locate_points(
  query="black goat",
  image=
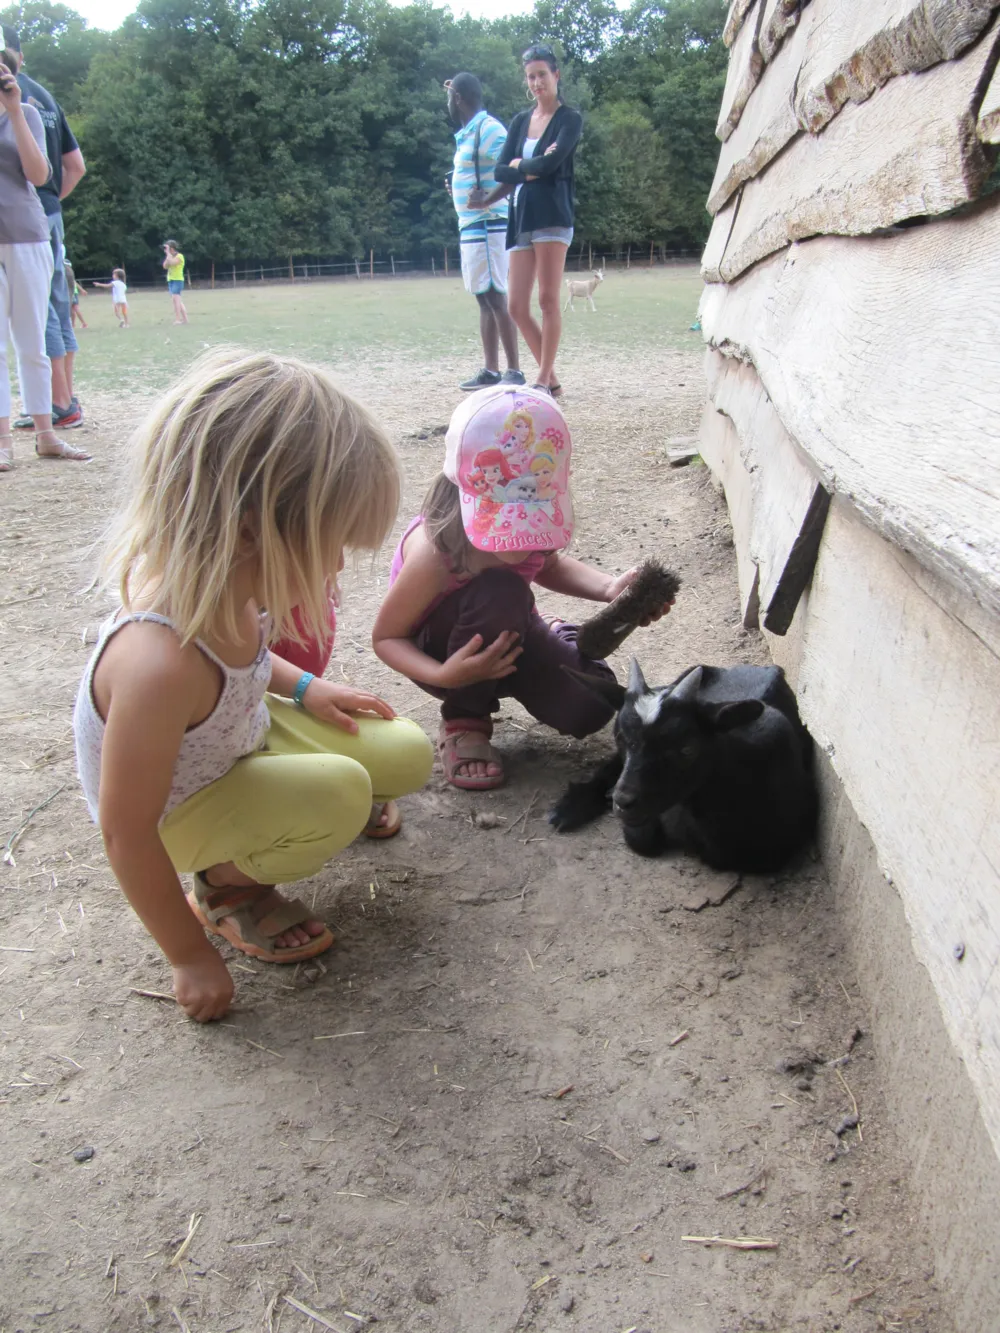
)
(719, 762)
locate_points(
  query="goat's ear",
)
(636, 680)
(608, 690)
(725, 717)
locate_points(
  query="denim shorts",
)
(526, 239)
(175, 286)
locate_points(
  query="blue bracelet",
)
(304, 682)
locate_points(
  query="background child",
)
(253, 476)
(119, 299)
(460, 619)
(75, 292)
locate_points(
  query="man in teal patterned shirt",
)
(482, 233)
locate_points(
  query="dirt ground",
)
(533, 1066)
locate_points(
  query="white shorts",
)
(484, 256)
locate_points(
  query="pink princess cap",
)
(508, 451)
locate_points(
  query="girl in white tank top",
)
(199, 751)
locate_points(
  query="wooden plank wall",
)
(851, 317)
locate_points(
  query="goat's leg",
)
(591, 300)
(583, 802)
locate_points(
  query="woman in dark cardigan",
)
(537, 163)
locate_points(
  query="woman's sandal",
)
(250, 920)
(68, 452)
(393, 820)
(6, 453)
(465, 741)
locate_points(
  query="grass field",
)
(331, 321)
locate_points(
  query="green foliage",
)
(255, 129)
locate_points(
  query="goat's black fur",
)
(718, 762)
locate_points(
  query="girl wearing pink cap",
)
(460, 618)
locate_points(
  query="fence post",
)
(392, 261)
(262, 272)
(651, 254)
(371, 263)
(234, 275)
(628, 258)
(213, 275)
(590, 255)
(445, 261)
(357, 270)
(433, 268)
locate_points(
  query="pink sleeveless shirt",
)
(528, 569)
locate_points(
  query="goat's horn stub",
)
(636, 680)
(688, 688)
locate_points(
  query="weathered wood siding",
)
(852, 316)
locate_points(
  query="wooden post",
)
(262, 272)
(651, 254)
(590, 255)
(291, 269)
(433, 268)
(357, 270)
(371, 263)
(445, 261)
(628, 258)
(392, 261)
(213, 275)
(234, 275)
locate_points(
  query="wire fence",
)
(243, 273)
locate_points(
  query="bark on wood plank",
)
(745, 65)
(860, 47)
(989, 112)
(768, 122)
(840, 53)
(719, 446)
(910, 150)
(738, 11)
(880, 356)
(906, 700)
(780, 17)
(788, 504)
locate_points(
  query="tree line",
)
(257, 129)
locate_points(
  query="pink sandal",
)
(465, 740)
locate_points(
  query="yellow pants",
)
(282, 813)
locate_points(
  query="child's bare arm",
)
(325, 699)
(150, 706)
(565, 574)
(422, 578)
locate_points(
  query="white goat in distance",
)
(583, 287)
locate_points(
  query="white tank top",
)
(235, 727)
(527, 151)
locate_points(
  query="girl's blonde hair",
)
(519, 414)
(442, 515)
(250, 454)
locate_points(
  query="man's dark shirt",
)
(59, 138)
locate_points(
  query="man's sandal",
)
(6, 453)
(466, 740)
(69, 452)
(251, 920)
(393, 820)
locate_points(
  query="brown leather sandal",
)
(393, 820)
(250, 920)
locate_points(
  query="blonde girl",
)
(199, 751)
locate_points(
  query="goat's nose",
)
(624, 800)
